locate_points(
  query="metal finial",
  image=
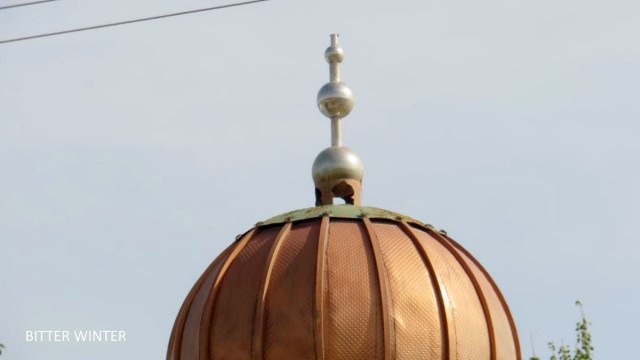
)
(334, 56)
(335, 98)
(337, 170)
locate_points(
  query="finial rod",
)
(336, 131)
(334, 56)
(335, 60)
(335, 99)
(337, 170)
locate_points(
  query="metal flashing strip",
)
(323, 237)
(205, 321)
(385, 292)
(258, 325)
(340, 211)
(436, 285)
(442, 239)
(503, 301)
(175, 341)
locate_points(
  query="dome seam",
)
(207, 313)
(408, 230)
(318, 313)
(384, 287)
(495, 288)
(476, 285)
(181, 319)
(257, 331)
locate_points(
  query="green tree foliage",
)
(583, 349)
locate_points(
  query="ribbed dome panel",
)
(326, 287)
(289, 320)
(354, 324)
(416, 312)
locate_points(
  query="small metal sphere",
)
(337, 163)
(335, 100)
(334, 54)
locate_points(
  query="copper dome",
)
(344, 282)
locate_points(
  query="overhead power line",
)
(129, 21)
(25, 4)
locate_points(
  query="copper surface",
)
(415, 302)
(234, 308)
(258, 324)
(476, 285)
(207, 309)
(498, 293)
(386, 305)
(437, 287)
(191, 334)
(320, 285)
(289, 314)
(468, 332)
(500, 322)
(344, 287)
(353, 317)
(175, 342)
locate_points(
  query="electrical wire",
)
(129, 21)
(25, 4)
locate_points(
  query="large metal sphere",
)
(337, 162)
(335, 99)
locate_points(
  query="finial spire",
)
(334, 56)
(337, 170)
(335, 98)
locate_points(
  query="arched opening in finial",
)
(345, 192)
(348, 191)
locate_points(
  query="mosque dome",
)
(343, 281)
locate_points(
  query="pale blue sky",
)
(131, 156)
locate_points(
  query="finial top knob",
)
(334, 53)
